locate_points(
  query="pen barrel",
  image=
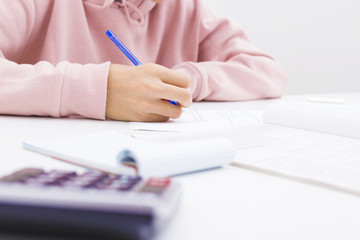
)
(123, 48)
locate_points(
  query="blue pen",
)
(127, 52)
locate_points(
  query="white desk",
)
(226, 203)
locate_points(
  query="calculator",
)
(89, 205)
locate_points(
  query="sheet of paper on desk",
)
(195, 120)
(323, 159)
(337, 119)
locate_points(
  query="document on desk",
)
(319, 154)
(337, 119)
(324, 159)
(194, 120)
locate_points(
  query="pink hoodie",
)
(55, 55)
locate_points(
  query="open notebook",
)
(113, 152)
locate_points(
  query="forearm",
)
(46, 90)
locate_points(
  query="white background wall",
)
(317, 41)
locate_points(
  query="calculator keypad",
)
(72, 180)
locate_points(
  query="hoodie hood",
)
(135, 10)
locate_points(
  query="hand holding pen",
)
(138, 93)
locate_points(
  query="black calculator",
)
(90, 205)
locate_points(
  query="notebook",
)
(112, 152)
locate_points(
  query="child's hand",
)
(139, 93)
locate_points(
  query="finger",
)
(173, 77)
(152, 117)
(164, 108)
(173, 93)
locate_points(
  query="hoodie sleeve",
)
(44, 89)
(230, 67)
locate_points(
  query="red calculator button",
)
(158, 182)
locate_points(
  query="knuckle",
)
(149, 65)
(147, 68)
(187, 94)
(184, 79)
(187, 81)
(152, 68)
(188, 104)
(186, 97)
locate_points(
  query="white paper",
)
(338, 119)
(324, 159)
(196, 120)
(154, 158)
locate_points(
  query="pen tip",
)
(109, 33)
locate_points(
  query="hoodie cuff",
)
(84, 90)
(195, 78)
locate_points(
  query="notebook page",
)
(155, 158)
(96, 151)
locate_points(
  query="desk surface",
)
(225, 203)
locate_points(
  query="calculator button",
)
(158, 182)
(22, 175)
(156, 185)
